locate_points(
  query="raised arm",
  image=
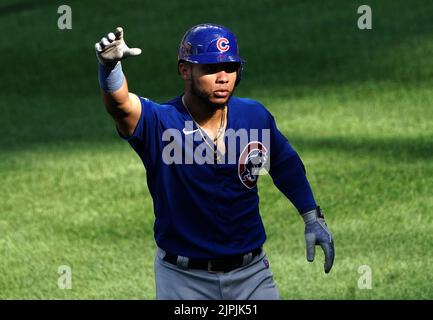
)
(122, 105)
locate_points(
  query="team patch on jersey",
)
(251, 160)
(223, 44)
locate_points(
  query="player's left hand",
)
(317, 233)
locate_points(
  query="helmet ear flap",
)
(239, 75)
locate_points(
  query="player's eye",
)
(231, 67)
(208, 69)
(217, 67)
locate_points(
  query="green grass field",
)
(356, 105)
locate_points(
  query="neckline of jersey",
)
(228, 123)
(188, 116)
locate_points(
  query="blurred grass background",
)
(356, 105)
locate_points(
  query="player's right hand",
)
(113, 48)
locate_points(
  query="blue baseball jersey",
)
(207, 208)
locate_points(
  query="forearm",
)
(118, 104)
(289, 177)
(114, 89)
(122, 105)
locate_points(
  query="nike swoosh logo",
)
(186, 132)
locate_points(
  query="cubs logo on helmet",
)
(252, 159)
(223, 44)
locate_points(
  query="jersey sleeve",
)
(144, 139)
(288, 171)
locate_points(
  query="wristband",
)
(111, 77)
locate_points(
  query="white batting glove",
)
(113, 48)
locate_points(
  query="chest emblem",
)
(252, 159)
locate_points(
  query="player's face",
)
(214, 82)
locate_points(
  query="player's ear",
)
(184, 69)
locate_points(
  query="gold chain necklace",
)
(220, 130)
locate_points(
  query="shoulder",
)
(250, 108)
(146, 101)
(160, 108)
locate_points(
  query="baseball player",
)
(203, 152)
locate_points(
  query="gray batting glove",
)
(317, 233)
(113, 48)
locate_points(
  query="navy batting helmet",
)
(210, 43)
